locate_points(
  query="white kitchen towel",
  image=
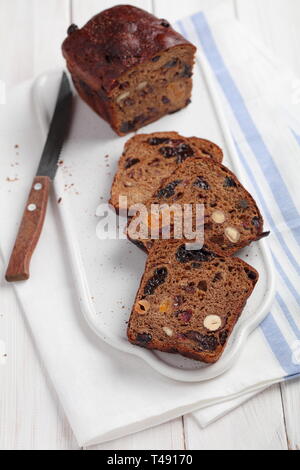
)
(106, 394)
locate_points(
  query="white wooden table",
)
(31, 32)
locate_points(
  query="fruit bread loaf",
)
(188, 302)
(130, 67)
(149, 158)
(232, 219)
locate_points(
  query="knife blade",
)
(36, 206)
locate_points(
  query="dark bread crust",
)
(204, 181)
(113, 43)
(142, 167)
(186, 293)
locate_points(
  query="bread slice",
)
(148, 158)
(188, 302)
(232, 219)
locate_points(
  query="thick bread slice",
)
(232, 219)
(188, 302)
(149, 158)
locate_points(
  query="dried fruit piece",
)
(184, 315)
(205, 342)
(142, 306)
(229, 183)
(179, 149)
(184, 256)
(218, 277)
(202, 285)
(212, 322)
(218, 217)
(165, 100)
(158, 140)
(201, 183)
(256, 221)
(243, 204)
(131, 162)
(232, 234)
(165, 307)
(72, 28)
(168, 191)
(160, 275)
(168, 331)
(143, 338)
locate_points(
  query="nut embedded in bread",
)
(130, 67)
(191, 301)
(149, 158)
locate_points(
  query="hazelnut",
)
(218, 217)
(142, 307)
(212, 322)
(122, 96)
(232, 234)
(142, 85)
(168, 331)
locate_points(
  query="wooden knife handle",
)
(29, 231)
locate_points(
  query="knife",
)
(35, 210)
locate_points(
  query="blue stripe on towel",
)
(297, 136)
(255, 140)
(279, 346)
(288, 315)
(266, 210)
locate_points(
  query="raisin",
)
(165, 24)
(187, 71)
(184, 256)
(229, 183)
(171, 63)
(242, 204)
(196, 265)
(251, 274)
(72, 28)
(202, 286)
(168, 190)
(264, 235)
(223, 337)
(143, 338)
(155, 281)
(124, 85)
(201, 183)
(156, 58)
(130, 162)
(127, 126)
(182, 152)
(256, 221)
(190, 289)
(178, 300)
(188, 101)
(206, 342)
(158, 140)
(165, 100)
(184, 315)
(218, 277)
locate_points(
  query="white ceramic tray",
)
(107, 273)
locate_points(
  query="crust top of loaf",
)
(115, 41)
